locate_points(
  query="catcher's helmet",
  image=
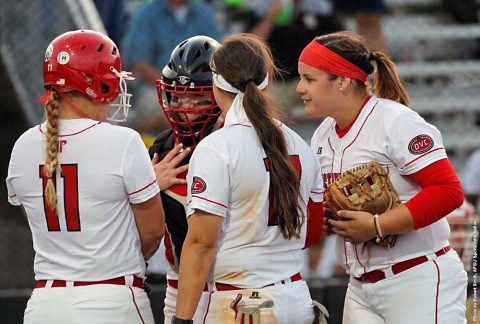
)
(188, 72)
(88, 62)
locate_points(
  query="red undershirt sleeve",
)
(441, 193)
(314, 222)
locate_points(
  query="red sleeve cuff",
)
(314, 222)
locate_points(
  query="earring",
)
(341, 89)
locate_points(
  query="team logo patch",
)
(183, 79)
(420, 144)
(198, 185)
(63, 58)
(48, 52)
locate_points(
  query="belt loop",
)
(69, 284)
(283, 282)
(48, 283)
(129, 280)
(388, 272)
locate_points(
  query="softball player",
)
(248, 188)
(186, 97)
(420, 279)
(88, 190)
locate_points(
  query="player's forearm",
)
(396, 221)
(195, 264)
(149, 218)
(150, 244)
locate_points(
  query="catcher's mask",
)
(188, 74)
(88, 62)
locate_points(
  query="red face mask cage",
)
(188, 124)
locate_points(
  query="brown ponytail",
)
(244, 61)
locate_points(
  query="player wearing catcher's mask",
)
(417, 278)
(88, 190)
(249, 184)
(186, 97)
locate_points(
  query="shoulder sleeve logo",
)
(420, 144)
(198, 185)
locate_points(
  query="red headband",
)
(323, 59)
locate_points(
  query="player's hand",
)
(167, 170)
(355, 226)
(327, 215)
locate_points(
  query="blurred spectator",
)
(464, 12)
(471, 178)
(112, 13)
(368, 19)
(155, 28)
(288, 26)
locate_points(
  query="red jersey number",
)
(272, 217)
(69, 174)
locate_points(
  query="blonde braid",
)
(51, 148)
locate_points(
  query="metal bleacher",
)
(438, 60)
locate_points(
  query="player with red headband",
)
(367, 122)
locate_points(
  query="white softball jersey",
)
(403, 143)
(229, 177)
(104, 169)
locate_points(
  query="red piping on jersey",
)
(345, 251)
(437, 293)
(136, 306)
(440, 148)
(344, 131)
(41, 131)
(142, 188)
(358, 259)
(333, 156)
(356, 136)
(208, 307)
(214, 202)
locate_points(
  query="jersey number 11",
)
(69, 174)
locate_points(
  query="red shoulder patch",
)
(420, 144)
(198, 185)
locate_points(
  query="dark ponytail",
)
(244, 61)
